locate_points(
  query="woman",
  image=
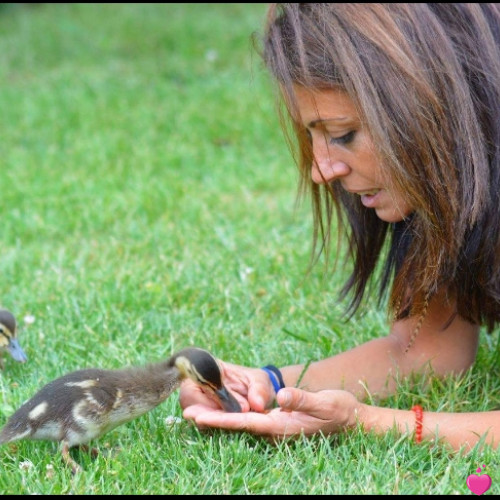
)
(395, 111)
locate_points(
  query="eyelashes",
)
(344, 139)
(309, 136)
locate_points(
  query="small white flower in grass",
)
(244, 273)
(211, 55)
(49, 471)
(171, 420)
(29, 319)
(26, 465)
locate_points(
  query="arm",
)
(455, 429)
(321, 409)
(375, 364)
(372, 366)
(334, 411)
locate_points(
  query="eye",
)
(344, 139)
(309, 136)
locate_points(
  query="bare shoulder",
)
(444, 338)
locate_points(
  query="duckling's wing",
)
(52, 413)
(102, 405)
(127, 394)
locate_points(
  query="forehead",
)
(328, 104)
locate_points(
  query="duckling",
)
(8, 340)
(85, 404)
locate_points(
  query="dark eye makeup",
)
(344, 139)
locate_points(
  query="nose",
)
(325, 170)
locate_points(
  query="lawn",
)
(148, 203)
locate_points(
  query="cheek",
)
(372, 168)
(394, 209)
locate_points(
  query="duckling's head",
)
(8, 339)
(201, 367)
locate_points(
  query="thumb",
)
(293, 399)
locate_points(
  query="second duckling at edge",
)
(8, 339)
(85, 404)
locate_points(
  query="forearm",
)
(370, 366)
(374, 366)
(455, 429)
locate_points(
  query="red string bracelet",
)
(419, 418)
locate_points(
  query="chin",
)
(392, 215)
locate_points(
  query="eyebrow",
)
(323, 120)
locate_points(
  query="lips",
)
(369, 198)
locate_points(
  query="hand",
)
(300, 413)
(250, 386)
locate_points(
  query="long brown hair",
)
(425, 79)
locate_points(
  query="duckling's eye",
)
(344, 139)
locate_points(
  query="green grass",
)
(148, 204)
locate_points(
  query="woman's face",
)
(343, 151)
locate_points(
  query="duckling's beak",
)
(227, 400)
(16, 351)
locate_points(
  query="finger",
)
(259, 396)
(255, 423)
(261, 393)
(275, 424)
(192, 394)
(292, 399)
(193, 411)
(250, 386)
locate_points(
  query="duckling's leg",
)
(68, 460)
(94, 452)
